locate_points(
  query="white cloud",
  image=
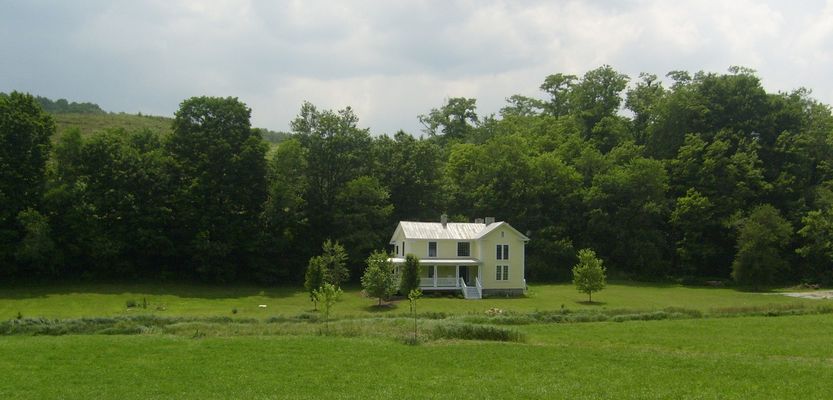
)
(391, 60)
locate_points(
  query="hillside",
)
(91, 123)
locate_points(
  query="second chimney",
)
(490, 220)
(444, 220)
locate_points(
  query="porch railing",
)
(449, 282)
(479, 287)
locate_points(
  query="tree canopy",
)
(663, 176)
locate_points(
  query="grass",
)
(91, 123)
(753, 357)
(106, 300)
(647, 341)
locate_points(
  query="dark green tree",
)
(336, 152)
(597, 95)
(415, 183)
(409, 279)
(219, 168)
(692, 223)
(452, 122)
(25, 133)
(36, 252)
(762, 239)
(559, 87)
(335, 263)
(285, 223)
(362, 213)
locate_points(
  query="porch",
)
(465, 278)
(451, 274)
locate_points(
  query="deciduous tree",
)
(410, 274)
(378, 280)
(589, 274)
(762, 238)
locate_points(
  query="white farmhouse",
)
(480, 259)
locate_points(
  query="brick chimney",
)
(490, 220)
(444, 220)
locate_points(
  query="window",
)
(502, 273)
(403, 248)
(431, 271)
(463, 249)
(432, 249)
(502, 252)
(397, 249)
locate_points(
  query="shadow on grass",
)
(30, 290)
(642, 284)
(591, 303)
(384, 307)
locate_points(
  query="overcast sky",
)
(390, 60)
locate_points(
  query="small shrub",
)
(130, 303)
(19, 315)
(234, 311)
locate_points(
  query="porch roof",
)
(439, 261)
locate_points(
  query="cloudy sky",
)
(390, 60)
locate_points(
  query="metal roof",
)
(451, 230)
(435, 230)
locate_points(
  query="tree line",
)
(706, 177)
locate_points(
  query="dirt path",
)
(819, 294)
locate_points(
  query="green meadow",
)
(708, 343)
(94, 300)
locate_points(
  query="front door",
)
(464, 273)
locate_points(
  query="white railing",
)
(480, 287)
(446, 282)
(440, 282)
(464, 287)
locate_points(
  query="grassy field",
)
(744, 358)
(362, 353)
(91, 123)
(72, 301)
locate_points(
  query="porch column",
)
(457, 275)
(434, 267)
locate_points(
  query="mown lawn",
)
(742, 358)
(93, 300)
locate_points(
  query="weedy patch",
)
(475, 332)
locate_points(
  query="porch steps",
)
(471, 293)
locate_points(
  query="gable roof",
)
(451, 230)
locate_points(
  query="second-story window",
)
(502, 252)
(463, 249)
(432, 249)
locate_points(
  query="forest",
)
(694, 177)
